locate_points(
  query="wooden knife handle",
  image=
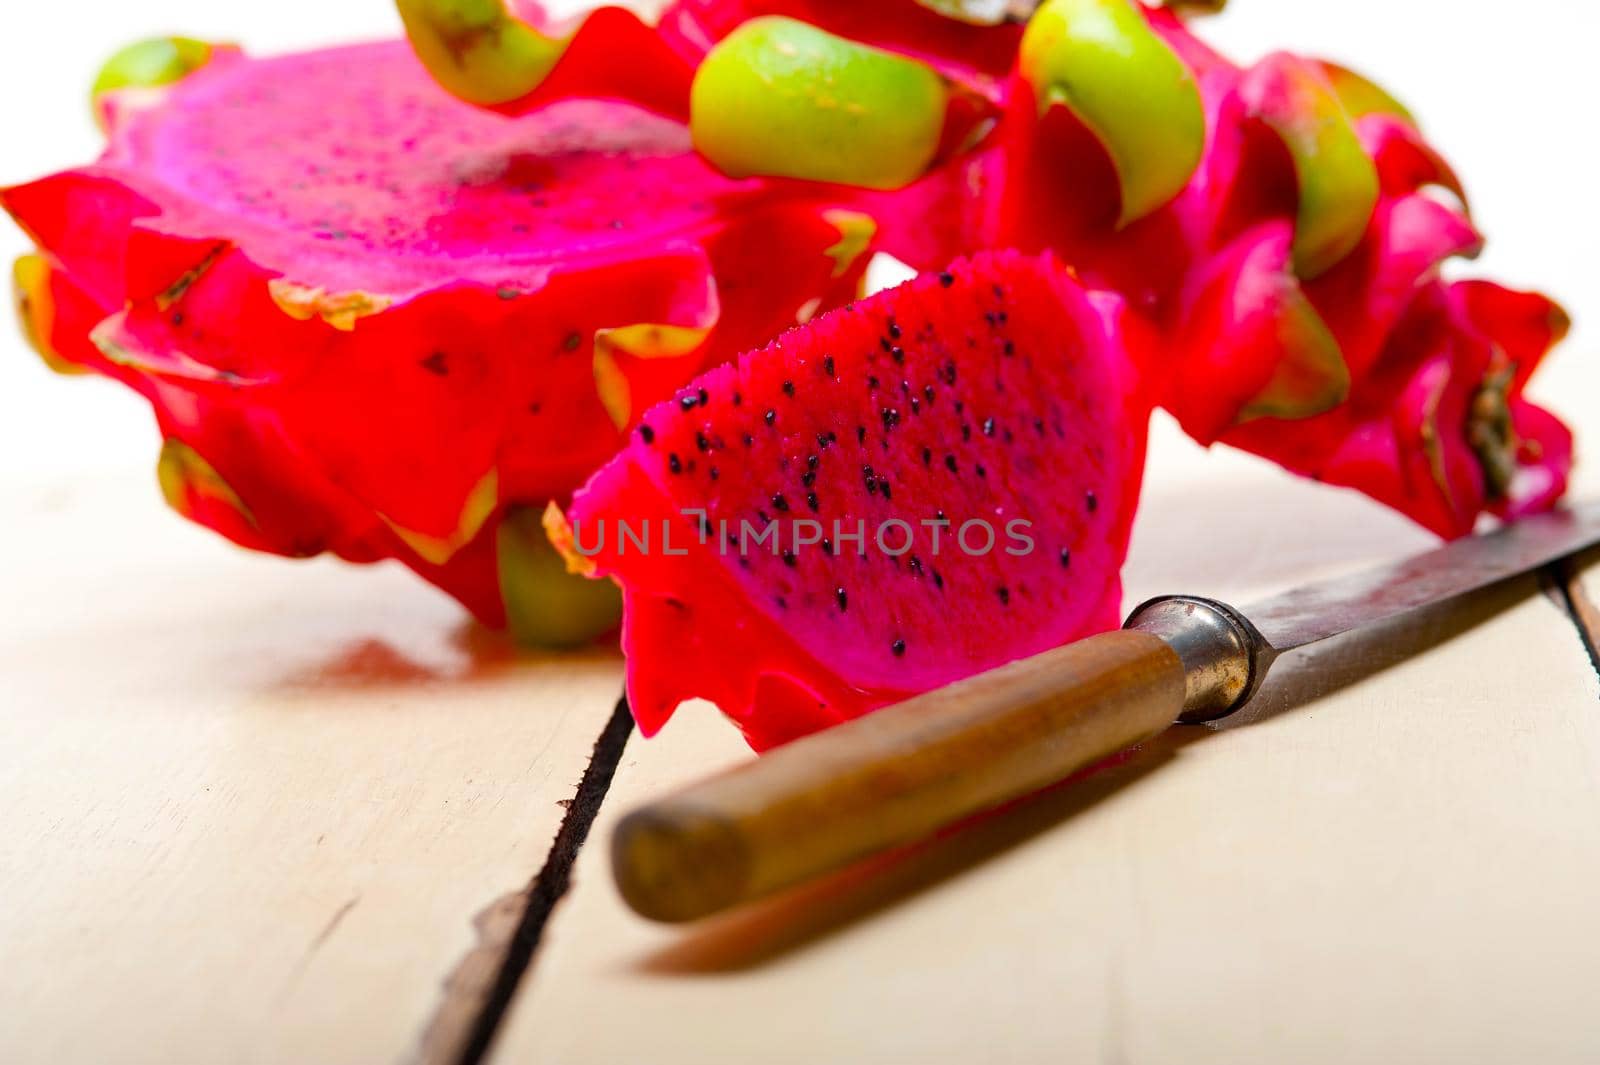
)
(895, 776)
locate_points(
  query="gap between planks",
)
(478, 993)
(1567, 578)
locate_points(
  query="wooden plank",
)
(252, 807)
(1388, 859)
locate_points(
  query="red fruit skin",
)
(612, 47)
(1406, 436)
(1035, 414)
(382, 335)
(1211, 275)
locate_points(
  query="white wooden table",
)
(258, 811)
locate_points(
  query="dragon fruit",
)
(375, 321)
(1279, 227)
(1287, 253)
(916, 487)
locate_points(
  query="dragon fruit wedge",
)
(908, 490)
(1280, 228)
(377, 321)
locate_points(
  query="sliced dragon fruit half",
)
(911, 489)
(377, 321)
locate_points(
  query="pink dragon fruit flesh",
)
(913, 488)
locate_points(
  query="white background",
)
(1508, 91)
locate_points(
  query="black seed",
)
(1038, 426)
(938, 581)
(870, 479)
(437, 363)
(1005, 595)
(714, 473)
(808, 478)
(1091, 501)
(737, 399)
(927, 393)
(861, 434)
(883, 486)
(891, 418)
(788, 388)
(898, 648)
(872, 383)
(771, 416)
(827, 365)
(938, 515)
(841, 598)
(981, 471)
(705, 397)
(789, 559)
(827, 547)
(701, 442)
(705, 525)
(780, 504)
(823, 439)
(950, 373)
(950, 463)
(572, 342)
(916, 405)
(761, 516)
(673, 463)
(988, 427)
(1010, 348)
(883, 342)
(177, 319)
(687, 402)
(960, 406)
(749, 440)
(927, 455)
(966, 431)
(647, 434)
(811, 501)
(1066, 557)
(946, 279)
(783, 604)
(811, 462)
(898, 354)
(915, 564)
(894, 330)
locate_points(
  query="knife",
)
(901, 773)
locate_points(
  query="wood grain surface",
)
(253, 810)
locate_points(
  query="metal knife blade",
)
(1227, 651)
(1315, 612)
